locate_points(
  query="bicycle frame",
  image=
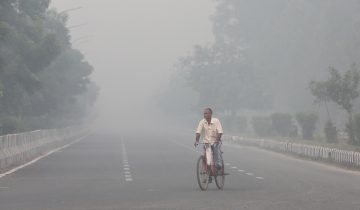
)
(211, 169)
(204, 171)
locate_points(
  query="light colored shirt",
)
(209, 132)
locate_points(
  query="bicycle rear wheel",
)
(220, 177)
(202, 174)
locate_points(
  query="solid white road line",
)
(41, 157)
(259, 177)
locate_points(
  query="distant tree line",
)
(262, 59)
(44, 82)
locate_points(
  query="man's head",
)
(208, 113)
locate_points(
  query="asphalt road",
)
(157, 171)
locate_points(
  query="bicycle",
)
(203, 171)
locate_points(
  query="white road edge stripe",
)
(41, 157)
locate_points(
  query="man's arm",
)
(198, 133)
(218, 137)
(220, 131)
(197, 138)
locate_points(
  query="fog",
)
(143, 104)
(249, 58)
(133, 46)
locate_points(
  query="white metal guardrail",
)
(343, 157)
(18, 149)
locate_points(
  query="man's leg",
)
(209, 158)
(218, 155)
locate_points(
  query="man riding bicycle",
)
(211, 130)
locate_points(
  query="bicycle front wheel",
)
(202, 174)
(220, 177)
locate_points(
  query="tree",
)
(224, 78)
(342, 90)
(289, 42)
(43, 80)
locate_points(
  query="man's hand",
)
(196, 143)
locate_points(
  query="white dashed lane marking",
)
(243, 171)
(226, 164)
(126, 165)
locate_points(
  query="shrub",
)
(357, 129)
(240, 123)
(282, 123)
(307, 122)
(234, 123)
(11, 125)
(262, 125)
(330, 132)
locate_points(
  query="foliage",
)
(357, 129)
(342, 90)
(223, 78)
(11, 125)
(41, 76)
(330, 132)
(235, 124)
(307, 122)
(283, 37)
(262, 125)
(282, 123)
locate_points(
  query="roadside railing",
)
(18, 149)
(343, 157)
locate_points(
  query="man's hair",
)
(208, 109)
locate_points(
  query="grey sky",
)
(133, 44)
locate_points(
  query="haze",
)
(102, 104)
(133, 46)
